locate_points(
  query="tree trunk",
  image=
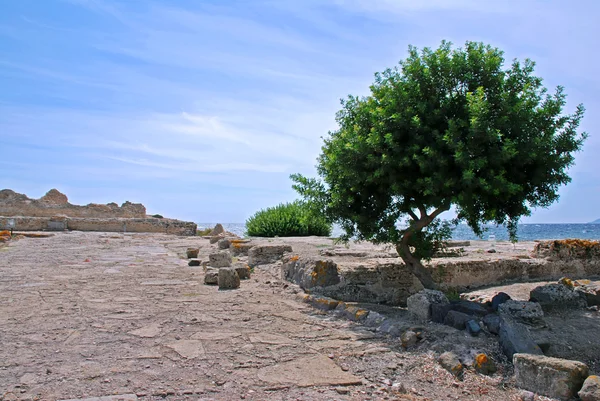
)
(415, 265)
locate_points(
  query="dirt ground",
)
(104, 314)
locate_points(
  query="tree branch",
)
(413, 215)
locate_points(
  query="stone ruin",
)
(53, 212)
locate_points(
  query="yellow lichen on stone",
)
(360, 314)
(480, 360)
(566, 282)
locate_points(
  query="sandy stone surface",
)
(123, 317)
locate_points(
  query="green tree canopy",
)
(447, 127)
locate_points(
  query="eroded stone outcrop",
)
(53, 212)
(55, 203)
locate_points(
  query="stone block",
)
(470, 308)
(473, 328)
(194, 262)
(266, 254)
(591, 389)
(484, 365)
(243, 271)
(558, 296)
(217, 230)
(492, 323)
(590, 292)
(192, 253)
(211, 277)
(409, 338)
(322, 303)
(530, 313)
(419, 304)
(240, 249)
(354, 313)
(309, 273)
(215, 239)
(450, 362)
(224, 243)
(515, 338)
(228, 278)
(458, 320)
(439, 312)
(499, 299)
(552, 377)
(219, 259)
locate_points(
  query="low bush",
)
(203, 232)
(294, 219)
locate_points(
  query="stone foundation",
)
(134, 225)
(388, 281)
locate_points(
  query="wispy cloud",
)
(209, 102)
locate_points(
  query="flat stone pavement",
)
(107, 317)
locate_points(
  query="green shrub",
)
(294, 219)
(204, 232)
(157, 216)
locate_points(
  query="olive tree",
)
(452, 127)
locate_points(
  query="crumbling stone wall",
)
(147, 225)
(390, 282)
(55, 203)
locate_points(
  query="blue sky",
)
(202, 109)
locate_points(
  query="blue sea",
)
(526, 232)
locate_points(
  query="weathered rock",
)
(525, 395)
(458, 320)
(192, 253)
(552, 377)
(499, 299)
(194, 262)
(228, 278)
(211, 277)
(217, 230)
(450, 362)
(419, 304)
(322, 303)
(240, 247)
(224, 243)
(473, 328)
(484, 365)
(439, 312)
(556, 296)
(470, 308)
(243, 271)
(351, 312)
(409, 338)
(374, 319)
(591, 389)
(391, 328)
(492, 322)
(515, 338)
(55, 197)
(590, 292)
(525, 312)
(265, 254)
(215, 239)
(309, 273)
(219, 259)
